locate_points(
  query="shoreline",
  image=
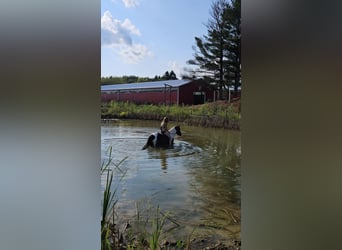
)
(128, 238)
(219, 114)
(196, 121)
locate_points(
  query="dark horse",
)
(161, 140)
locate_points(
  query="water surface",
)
(197, 181)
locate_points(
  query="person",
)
(163, 125)
(164, 129)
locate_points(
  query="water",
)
(197, 181)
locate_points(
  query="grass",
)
(215, 114)
(149, 227)
(108, 203)
(158, 224)
(109, 200)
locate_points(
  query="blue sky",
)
(149, 37)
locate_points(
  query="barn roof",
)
(145, 85)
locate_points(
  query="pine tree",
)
(218, 53)
(166, 76)
(233, 44)
(173, 75)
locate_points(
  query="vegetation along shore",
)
(219, 114)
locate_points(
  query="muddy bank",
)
(126, 240)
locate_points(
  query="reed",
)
(157, 229)
(149, 227)
(109, 200)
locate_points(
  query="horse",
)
(158, 139)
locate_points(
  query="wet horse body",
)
(162, 140)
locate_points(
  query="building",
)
(188, 92)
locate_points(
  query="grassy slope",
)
(214, 114)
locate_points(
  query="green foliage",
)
(233, 115)
(215, 110)
(217, 55)
(150, 226)
(180, 244)
(108, 204)
(157, 228)
(109, 201)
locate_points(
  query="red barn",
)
(188, 92)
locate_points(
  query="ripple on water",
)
(180, 148)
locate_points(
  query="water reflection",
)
(215, 177)
(198, 180)
(163, 159)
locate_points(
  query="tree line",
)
(133, 79)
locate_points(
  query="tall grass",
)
(109, 200)
(150, 227)
(220, 111)
(158, 224)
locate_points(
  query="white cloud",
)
(118, 35)
(130, 3)
(134, 54)
(173, 65)
(129, 26)
(113, 31)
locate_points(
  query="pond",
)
(197, 181)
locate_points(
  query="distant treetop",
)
(134, 79)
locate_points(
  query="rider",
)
(164, 129)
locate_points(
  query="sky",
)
(149, 37)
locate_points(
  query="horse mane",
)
(175, 130)
(174, 127)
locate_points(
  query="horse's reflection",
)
(163, 159)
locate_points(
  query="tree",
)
(169, 76)
(173, 75)
(166, 76)
(233, 45)
(217, 54)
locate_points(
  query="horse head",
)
(175, 130)
(178, 130)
